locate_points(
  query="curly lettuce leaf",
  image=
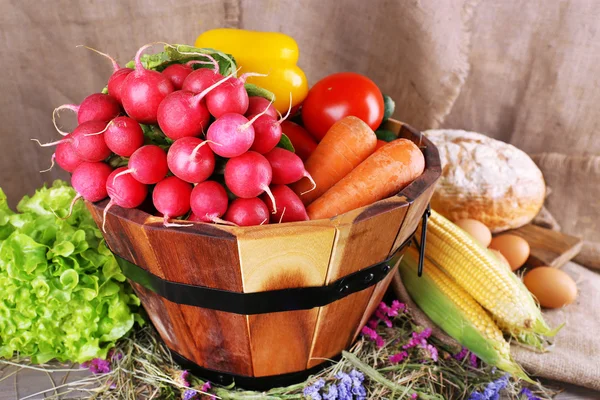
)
(63, 295)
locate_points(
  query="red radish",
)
(289, 206)
(191, 160)
(209, 201)
(183, 113)
(257, 105)
(89, 181)
(192, 217)
(147, 165)
(287, 167)
(115, 82)
(65, 156)
(143, 90)
(249, 175)
(247, 212)
(230, 97)
(230, 135)
(123, 191)
(96, 107)
(201, 79)
(267, 131)
(123, 136)
(171, 197)
(177, 73)
(87, 140)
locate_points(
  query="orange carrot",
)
(347, 143)
(384, 173)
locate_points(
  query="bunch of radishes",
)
(208, 117)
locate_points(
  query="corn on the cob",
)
(457, 313)
(476, 270)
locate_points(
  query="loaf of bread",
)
(486, 179)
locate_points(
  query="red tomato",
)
(303, 143)
(340, 95)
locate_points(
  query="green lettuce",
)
(62, 293)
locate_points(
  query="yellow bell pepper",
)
(271, 53)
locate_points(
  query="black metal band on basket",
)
(271, 301)
(250, 382)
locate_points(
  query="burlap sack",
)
(575, 198)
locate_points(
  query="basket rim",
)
(407, 195)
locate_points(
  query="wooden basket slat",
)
(169, 322)
(292, 256)
(358, 245)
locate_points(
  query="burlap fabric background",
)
(526, 72)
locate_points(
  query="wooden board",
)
(284, 256)
(548, 247)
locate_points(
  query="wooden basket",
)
(266, 258)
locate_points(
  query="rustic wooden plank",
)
(169, 322)
(358, 245)
(284, 256)
(196, 256)
(548, 247)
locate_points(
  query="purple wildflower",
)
(114, 355)
(528, 394)
(358, 389)
(418, 338)
(462, 354)
(189, 394)
(183, 378)
(492, 390)
(379, 342)
(344, 386)
(97, 366)
(473, 360)
(332, 394)
(433, 351)
(312, 391)
(414, 395)
(206, 387)
(398, 357)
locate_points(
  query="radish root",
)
(282, 214)
(270, 194)
(281, 119)
(109, 205)
(218, 220)
(197, 98)
(310, 178)
(124, 172)
(168, 224)
(116, 66)
(52, 165)
(72, 205)
(102, 131)
(72, 107)
(51, 143)
(257, 116)
(197, 148)
(247, 75)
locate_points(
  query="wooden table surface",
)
(30, 383)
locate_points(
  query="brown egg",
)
(514, 248)
(477, 230)
(501, 258)
(552, 287)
